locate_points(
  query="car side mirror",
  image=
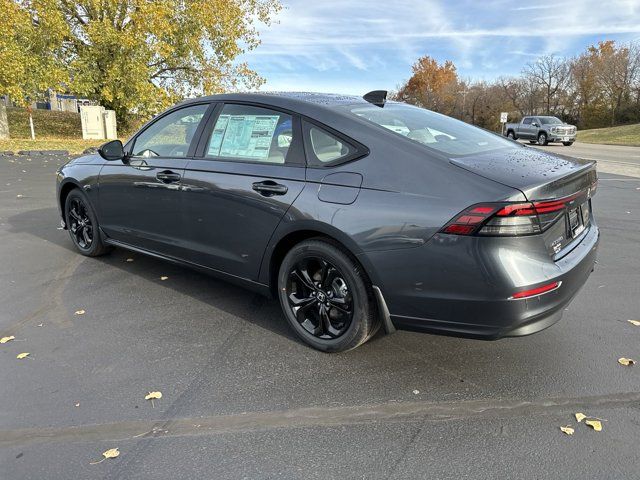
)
(112, 150)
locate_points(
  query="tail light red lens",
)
(511, 219)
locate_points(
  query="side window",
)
(325, 148)
(171, 135)
(246, 133)
(527, 121)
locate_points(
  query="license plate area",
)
(578, 220)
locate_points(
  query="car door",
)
(248, 170)
(527, 131)
(140, 197)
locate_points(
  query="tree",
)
(139, 55)
(550, 75)
(30, 49)
(432, 85)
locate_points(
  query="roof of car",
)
(292, 100)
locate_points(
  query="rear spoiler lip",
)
(580, 179)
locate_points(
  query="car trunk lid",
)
(560, 187)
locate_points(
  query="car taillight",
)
(509, 219)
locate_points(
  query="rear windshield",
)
(446, 134)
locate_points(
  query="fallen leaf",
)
(153, 395)
(568, 430)
(164, 278)
(111, 453)
(626, 361)
(634, 322)
(129, 260)
(80, 312)
(7, 339)
(580, 416)
(595, 424)
(20, 356)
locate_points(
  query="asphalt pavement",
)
(242, 398)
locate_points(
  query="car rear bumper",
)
(466, 291)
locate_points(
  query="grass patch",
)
(622, 135)
(46, 123)
(73, 145)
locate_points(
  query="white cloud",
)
(341, 42)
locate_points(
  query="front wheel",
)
(511, 135)
(542, 139)
(567, 144)
(326, 297)
(82, 224)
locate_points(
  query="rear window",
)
(439, 132)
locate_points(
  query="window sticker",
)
(247, 136)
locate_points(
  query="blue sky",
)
(356, 46)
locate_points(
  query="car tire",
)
(567, 144)
(511, 135)
(542, 138)
(82, 225)
(326, 297)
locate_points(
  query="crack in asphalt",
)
(315, 416)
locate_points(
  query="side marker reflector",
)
(534, 292)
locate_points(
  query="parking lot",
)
(242, 398)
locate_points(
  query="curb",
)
(43, 152)
(6, 153)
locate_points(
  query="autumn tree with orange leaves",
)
(432, 86)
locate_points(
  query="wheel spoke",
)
(85, 235)
(74, 215)
(339, 304)
(325, 321)
(304, 277)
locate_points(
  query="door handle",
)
(269, 188)
(167, 176)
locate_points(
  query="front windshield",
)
(434, 130)
(550, 120)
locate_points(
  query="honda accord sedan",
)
(355, 212)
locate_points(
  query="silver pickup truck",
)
(542, 130)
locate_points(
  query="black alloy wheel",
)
(319, 297)
(326, 297)
(83, 225)
(80, 225)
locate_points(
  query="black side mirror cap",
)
(113, 150)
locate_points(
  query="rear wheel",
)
(567, 144)
(82, 224)
(511, 135)
(542, 138)
(326, 297)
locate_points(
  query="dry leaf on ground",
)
(153, 395)
(20, 356)
(634, 322)
(626, 361)
(595, 424)
(80, 312)
(7, 339)
(568, 430)
(111, 453)
(580, 416)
